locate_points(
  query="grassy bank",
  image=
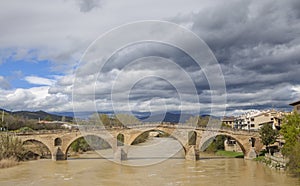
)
(229, 154)
(260, 158)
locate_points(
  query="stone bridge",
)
(191, 139)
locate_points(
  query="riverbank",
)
(221, 154)
(274, 162)
(6, 163)
(230, 154)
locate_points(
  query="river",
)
(147, 165)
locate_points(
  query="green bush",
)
(25, 129)
(88, 143)
(217, 144)
(291, 149)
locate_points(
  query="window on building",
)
(252, 125)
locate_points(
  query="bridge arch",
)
(239, 142)
(39, 141)
(66, 148)
(176, 137)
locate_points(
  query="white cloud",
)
(39, 80)
(36, 98)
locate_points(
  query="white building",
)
(246, 121)
(254, 120)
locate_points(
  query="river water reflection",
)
(174, 171)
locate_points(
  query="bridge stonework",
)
(59, 142)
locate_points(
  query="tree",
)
(100, 119)
(199, 121)
(193, 120)
(126, 119)
(48, 118)
(80, 145)
(290, 131)
(268, 135)
(294, 160)
(119, 120)
(216, 144)
(291, 134)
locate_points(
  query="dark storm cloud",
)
(160, 59)
(238, 24)
(144, 49)
(257, 44)
(88, 5)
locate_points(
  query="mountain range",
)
(40, 115)
(172, 117)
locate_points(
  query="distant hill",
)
(172, 117)
(166, 117)
(68, 114)
(41, 115)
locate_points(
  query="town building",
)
(296, 106)
(254, 120)
(229, 121)
(271, 117)
(246, 121)
(61, 124)
(231, 145)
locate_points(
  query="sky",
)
(51, 56)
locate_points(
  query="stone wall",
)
(277, 161)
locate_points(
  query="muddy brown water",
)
(156, 162)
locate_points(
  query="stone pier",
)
(58, 154)
(192, 153)
(120, 154)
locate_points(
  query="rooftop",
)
(295, 103)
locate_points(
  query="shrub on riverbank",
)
(88, 143)
(6, 163)
(11, 147)
(263, 160)
(11, 151)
